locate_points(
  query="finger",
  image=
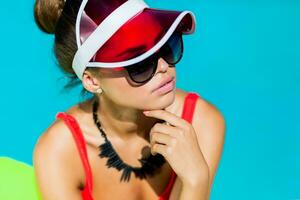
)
(162, 128)
(159, 148)
(166, 116)
(167, 123)
(161, 138)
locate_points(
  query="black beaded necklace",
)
(149, 164)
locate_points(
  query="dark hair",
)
(58, 17)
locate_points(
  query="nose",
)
(162, 65)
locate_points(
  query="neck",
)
(123, 122)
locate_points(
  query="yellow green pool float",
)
(17, 180)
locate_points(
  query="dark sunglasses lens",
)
(143, 71)
(172, 51)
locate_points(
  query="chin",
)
(164, 100)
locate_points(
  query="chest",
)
(106, 181)
(107, 184)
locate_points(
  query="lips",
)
(164, 81)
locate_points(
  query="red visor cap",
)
(137, 35)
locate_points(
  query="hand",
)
(177, 142)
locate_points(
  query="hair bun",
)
(47, 13)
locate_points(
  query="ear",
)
(90, 82)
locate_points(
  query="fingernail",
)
(145, 112)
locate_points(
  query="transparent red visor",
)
(141, 35)
(135, 37)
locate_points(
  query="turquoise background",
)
(243, 58)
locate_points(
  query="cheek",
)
(123, 92)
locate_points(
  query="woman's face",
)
(119, 88)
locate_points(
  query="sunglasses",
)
(171, 52)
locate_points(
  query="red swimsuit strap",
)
(80, 142)
(189, 106)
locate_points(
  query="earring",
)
(99, 90)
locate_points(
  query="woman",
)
(124, 53)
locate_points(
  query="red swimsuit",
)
(86, 193)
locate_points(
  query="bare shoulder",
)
(209, 125)
(208, 120)
(55, 153)
(57, 138)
